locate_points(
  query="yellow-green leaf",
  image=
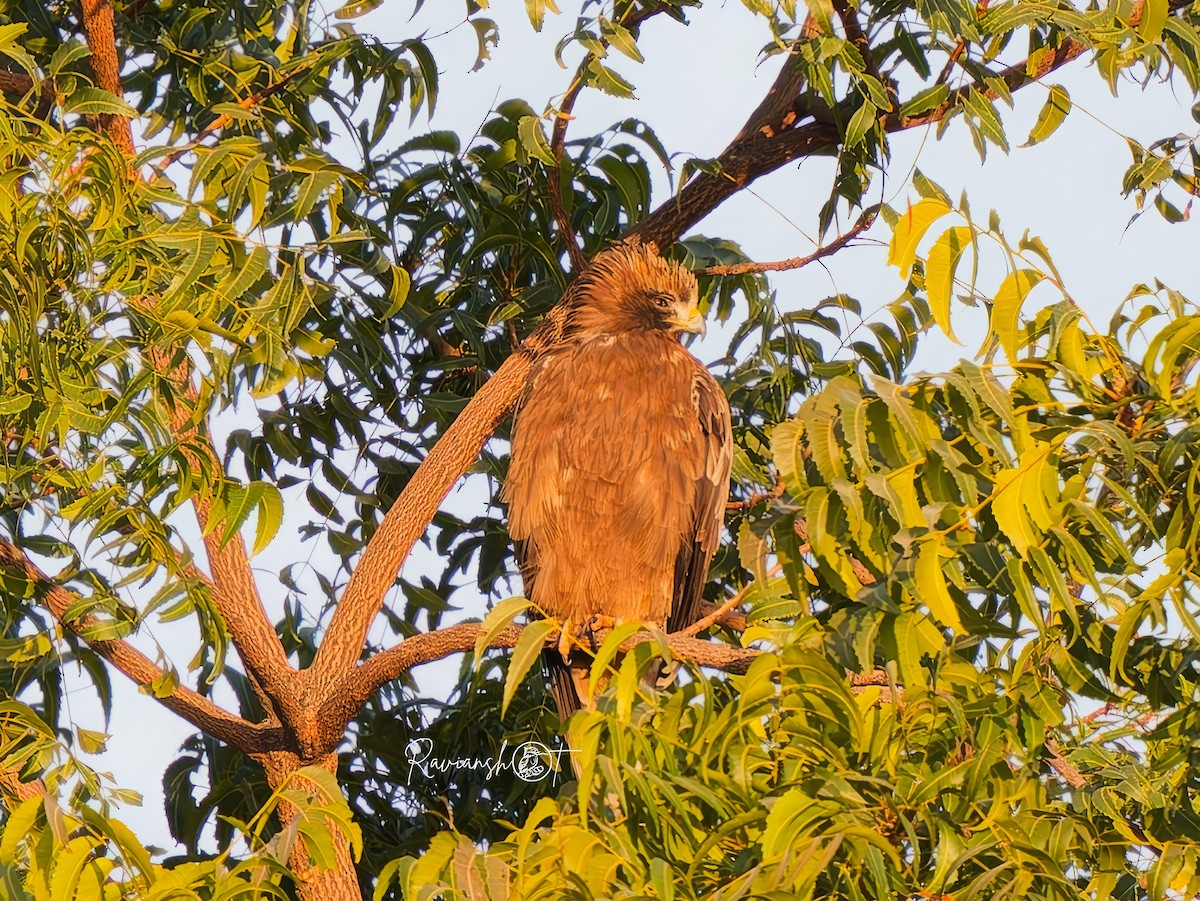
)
(1006, 308)
(931, 583)
(525, 654)
(939, 274)
(497, 618)
(911, 228)
(1154, 17)
(1054, 111)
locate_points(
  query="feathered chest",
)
(629, 398)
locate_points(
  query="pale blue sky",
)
(694, 89)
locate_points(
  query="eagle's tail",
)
(564, 684)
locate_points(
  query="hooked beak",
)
(689, 320)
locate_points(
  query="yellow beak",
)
(689, 321)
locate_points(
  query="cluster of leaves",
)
(988, 536)
(1009, 551)
(82, 851)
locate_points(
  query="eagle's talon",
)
(600, 622)
(564, 639)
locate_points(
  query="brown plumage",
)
(620, 459)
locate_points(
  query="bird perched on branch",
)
(621, 453)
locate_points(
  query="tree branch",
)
(365, 679)
(757, 152)
(412, 512)
(12, 786)
(106, 63)
(193, 707)
(865, 222)
(235, 593)
(558, 138)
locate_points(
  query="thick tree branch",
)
(235, 593)
(412, 512)
(758, 151)
(193, 707)
(353, 691)
(106, 63)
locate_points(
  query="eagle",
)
(620, 458)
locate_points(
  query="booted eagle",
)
(621, 452)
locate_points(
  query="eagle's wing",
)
(712, 491)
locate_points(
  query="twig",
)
(554, 173)
(759, 497)
(558, 139)
(864, 575)
(246, 103)
(865, 221)
(705, 621)
(855, 35)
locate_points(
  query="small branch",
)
(715, 615)
(12, 786)
(759, 497)
(865, 222)
(864, 575)
(855, 35)
(246, 103)
(1064, 767)
(15, 83)
(193, 707)
(733, 619)
(558, 139)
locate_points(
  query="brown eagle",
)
(621, 453)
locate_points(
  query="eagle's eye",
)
(663, 301)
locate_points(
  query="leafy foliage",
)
(1008, 546)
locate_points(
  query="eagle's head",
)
(630, 288)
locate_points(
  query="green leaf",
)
(607, 80)
(860, 123)
(533, 139)
(95, 102)
(620, 38)
(496, 620)
(270, 516)
(1054, 111)
(525, 654)
(398, 288)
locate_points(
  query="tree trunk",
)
(312, 883)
